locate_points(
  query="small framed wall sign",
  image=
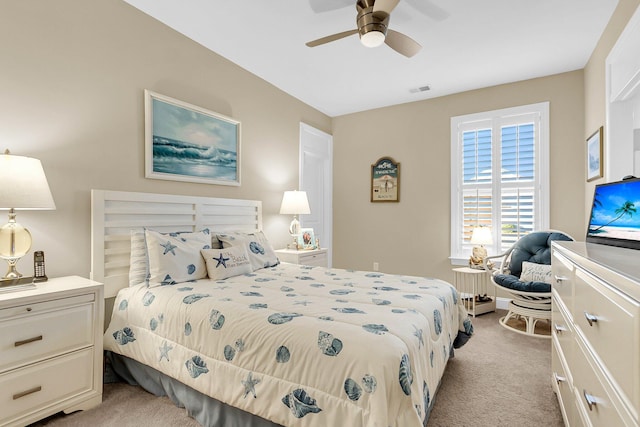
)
(385, 180)
(594, 155)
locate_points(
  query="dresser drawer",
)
(25, 390)
(562, 383)
(610, 322)
(562, 273)
(43, 330)
(562, 329)
(596, 402)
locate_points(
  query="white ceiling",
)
(468, 45)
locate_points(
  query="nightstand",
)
(475, 290)
(315, 257)
(50, 349)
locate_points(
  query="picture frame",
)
(306, 239)
(184, 142)
(385, 180)
(595, 155)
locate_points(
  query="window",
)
(499, 176)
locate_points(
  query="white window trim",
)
(498, 118)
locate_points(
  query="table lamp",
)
(23, 186)
(295, 203)
(480, 236)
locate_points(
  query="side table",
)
(475, 289)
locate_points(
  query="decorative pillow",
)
(532, 272)
(229, 262)
(261, 254)
(175, 258)
(139, 261)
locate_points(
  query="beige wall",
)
(595, 82)
(413, 236)
(72, 77)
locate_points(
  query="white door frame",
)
(307, 131)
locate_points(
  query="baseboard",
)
(502, 303)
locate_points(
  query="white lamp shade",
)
(23, 184)
(295, 203)
(481, 236)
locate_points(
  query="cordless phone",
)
(38, 267)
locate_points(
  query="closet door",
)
(316, 173)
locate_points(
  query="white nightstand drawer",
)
(45, 383)
(318, 260)
(45, 331)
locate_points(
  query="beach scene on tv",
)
(614, 213)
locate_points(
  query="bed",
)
(256, 342)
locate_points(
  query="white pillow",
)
(138, 260)
(229, 262)
(258, 248)
(175, 258)
(532, 272)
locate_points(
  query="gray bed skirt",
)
(207, 411)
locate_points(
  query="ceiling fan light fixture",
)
(372, 38)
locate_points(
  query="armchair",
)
(524, 273)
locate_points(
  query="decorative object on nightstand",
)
(295, 203)
(24, 186)
(480, 236)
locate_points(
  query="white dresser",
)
(50, 349)
(596, 334)
(316, 257)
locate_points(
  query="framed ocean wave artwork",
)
(184, 142)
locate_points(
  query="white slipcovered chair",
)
(524, 273)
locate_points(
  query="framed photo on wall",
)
(184, 142)
(594, 155)
(385, 180)
(306, 239)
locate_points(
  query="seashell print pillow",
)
(138, 260)
(229, 262)
(261, 254)
(176, 258)
(532, 272)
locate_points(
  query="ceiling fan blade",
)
(331, 38)
(319, 6)
(429, 9)
(402, 44)
(385, 6)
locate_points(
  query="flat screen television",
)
(615, 214)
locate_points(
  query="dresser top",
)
(625, 263)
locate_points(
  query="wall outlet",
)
(376, 266)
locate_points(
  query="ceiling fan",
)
(373, 22)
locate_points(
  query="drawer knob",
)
(559, 328)
(591, 400)
(27, 392)
(590, 318)
(27, 341)
(560, 279)
(559, 379)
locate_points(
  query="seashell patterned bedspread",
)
(299, 345)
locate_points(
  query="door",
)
(316, 172)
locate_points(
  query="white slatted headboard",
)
(115, 213)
